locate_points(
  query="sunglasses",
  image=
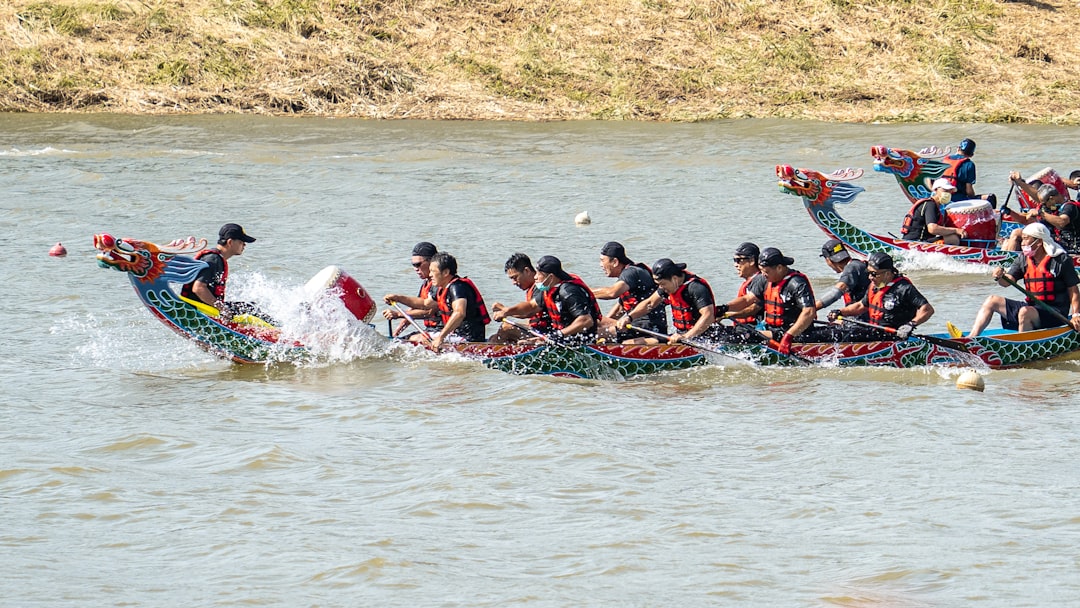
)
(741, 260)
(874, 273)
(417, 264)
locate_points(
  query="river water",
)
(138, 470)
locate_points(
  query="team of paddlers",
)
(774, 303)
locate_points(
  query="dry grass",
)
(877, 60)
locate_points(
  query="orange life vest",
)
(217, 287)
(774, 304)
(444, 307)
(552, 308)
(540, 321)
(1040, 281)
(683, 316)
(741, 293)
(954, 161)
(432, 322)
(876, 299)
(629, 300)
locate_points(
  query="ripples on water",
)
(138, 469)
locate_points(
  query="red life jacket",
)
(431, 322)
(954, 161)
(552, 308)
(628, 300)
(683, 316)
(540, 321)
(1040, 281)
(217, 287)
(774, 304)
(741, 293)
(876, 298)
(444, 307)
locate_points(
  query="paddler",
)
(520, 271)
(747, 306)
(458, 302)
(693, 307)
(209, 285)
(1062, 217)
(927, 221)
(1048, 274)
(891, 301)
(422, 253)
(568, 301)
(853, 281)
(634, 284)
(789, 300)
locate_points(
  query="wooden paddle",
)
(412, 321)
(943, 342)
(524, 325)
(690, 343)
(1043, 305)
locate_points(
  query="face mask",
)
(944, 197)
(541, 287)
(1028, 250)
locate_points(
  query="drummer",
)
(926, 221)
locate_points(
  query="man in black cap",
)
(568, 301)
(422, 253)
(746, 308)
(455, 299)
(634, 284)
(853, 281)
(1062, 217)
(693, 307)
(209, 285)
(892, 301)
(789, 299)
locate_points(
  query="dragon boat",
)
(994, 349)
(821, 193)
(154, 270)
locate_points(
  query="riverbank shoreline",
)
(974, 61)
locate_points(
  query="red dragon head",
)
(142, 259)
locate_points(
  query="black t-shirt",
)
(472, 327)
(571, 302)
(856, 278)
(640, 285)
(213, 275)
(901, 303)
(697, 296)
(796, 295)
(929, 213)
(1069, 236)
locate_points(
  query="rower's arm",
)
(610, 293)
(708, 316)
(805, 320)
(853, 310)
(616, 311)
(1057, 220)
(833, 294)
(521, 310)
(1074, 307)
(202, 290)
(1028, 189)
(580, 324)
(747, 305)
(457, 315)
(420, 305)
(644, 307)
(923, 314)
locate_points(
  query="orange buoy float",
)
(58, 251)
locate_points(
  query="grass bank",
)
(677, 60)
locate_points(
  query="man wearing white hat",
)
(927, 220)
(1048, 275)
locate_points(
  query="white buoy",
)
(971, 380)
(583, 219)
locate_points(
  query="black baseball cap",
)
(664, 268)
(881, 261)
(967, 146)
(834, 250)
(424, 249)
(552, 265)
(615, 250)
(748, 250)
(771, 256)
(234, 231)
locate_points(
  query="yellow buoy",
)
(971, 380)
